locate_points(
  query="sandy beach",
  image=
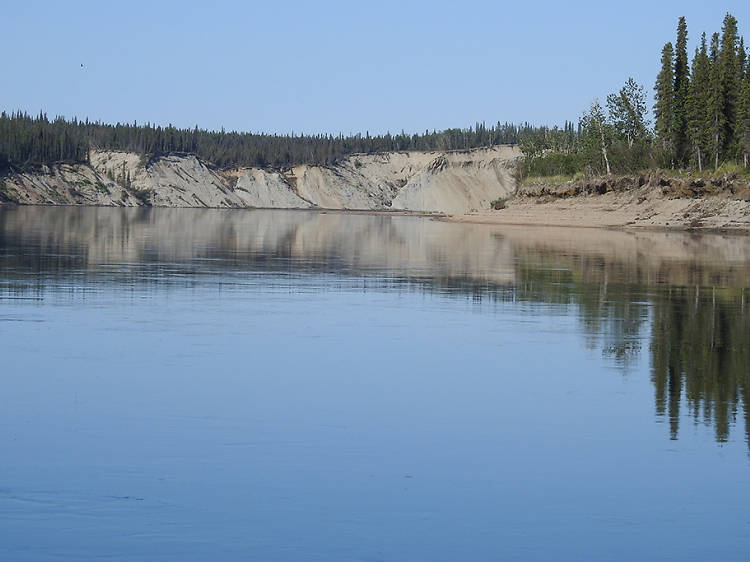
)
(646, 207)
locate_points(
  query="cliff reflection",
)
(117, 245)
(686, 294)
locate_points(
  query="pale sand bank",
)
(645, 207)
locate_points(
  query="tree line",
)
(701, 119)
(27, 140)
(703, 110)
(701, 116)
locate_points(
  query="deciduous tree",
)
(597, 134)
(627, 109)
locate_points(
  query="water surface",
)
(183, 384)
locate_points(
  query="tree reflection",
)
(700, 352)
(686, 294)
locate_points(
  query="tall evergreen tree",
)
(744, 120)
(729, 84)
(739, 134)
(699, 95)
(664, 106)
(681, 85)
(716, 116)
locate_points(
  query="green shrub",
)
(553, 180)
(554, 164)
(143, 196)
(7, 194)
(498, 204)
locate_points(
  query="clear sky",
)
(335, 66)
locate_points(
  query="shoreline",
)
(643, 209)
(516, 214)
(480, 219)
(321, 210)
(646, 208)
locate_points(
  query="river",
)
(189, 384)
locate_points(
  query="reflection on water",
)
(701, 351)
(91, 241)
(695, 287)
(339, 386)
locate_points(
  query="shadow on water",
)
(686, 294)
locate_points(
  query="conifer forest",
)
(701, 121)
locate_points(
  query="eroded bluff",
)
(446, 182)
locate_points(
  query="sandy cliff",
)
(450, 182)
(454, 182)
(458, 183)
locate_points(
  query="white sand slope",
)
(461, 182)
(448, 182)
(63, 184)
(263, 189)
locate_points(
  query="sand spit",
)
(650, 205)
(454, 182)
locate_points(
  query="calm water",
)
(270, 385)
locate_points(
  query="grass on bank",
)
(726, 169)
(558, 179)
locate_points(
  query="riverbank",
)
(657, 202)
(452, 182)
(458, 186)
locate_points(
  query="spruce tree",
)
(740, 127)
(716, 118)
(664, 106)
(698, 103)
(681, 85)
(729, 84)
(744, 121)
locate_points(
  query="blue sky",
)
(335, 66)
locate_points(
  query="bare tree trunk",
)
(700, 163)
(716, 144)
(604, 149)
(606, 160)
